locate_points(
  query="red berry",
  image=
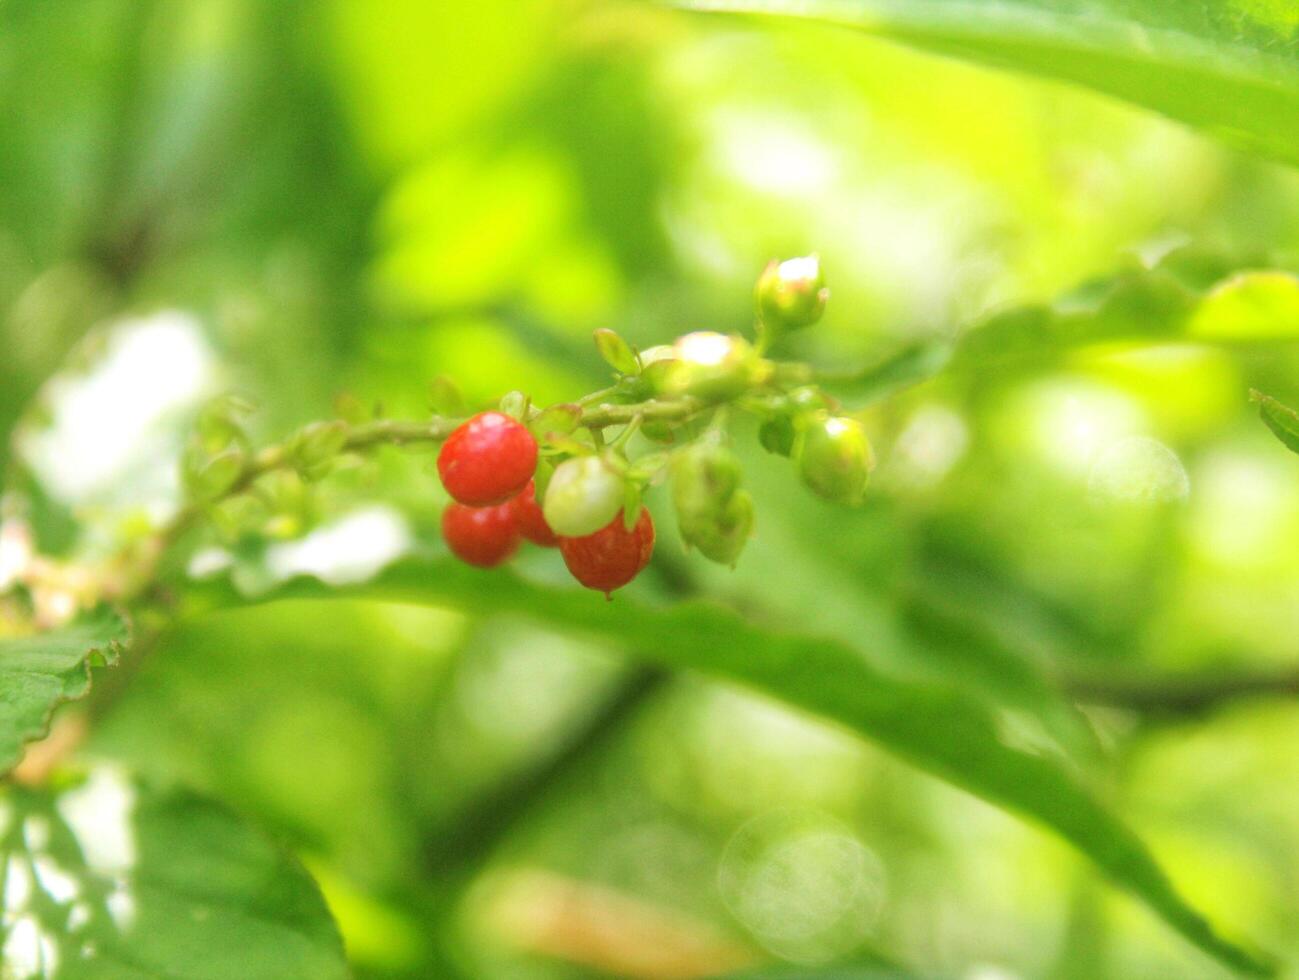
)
(530, 520)
(612, 556)
(487, 460)
(482, 536)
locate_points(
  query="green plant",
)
(995, 632)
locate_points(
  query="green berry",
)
(777, 435)
(704, 476)
(583, 496)
(791, 295)
(713, 513)
(713, 366)
(834, 457)
(721, 534)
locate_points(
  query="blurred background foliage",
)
(294, 201)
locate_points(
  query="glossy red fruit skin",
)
(612, 556)
(530, 520)
(480, 536)
(487, 460)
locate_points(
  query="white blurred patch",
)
(209, 561)
(1072, 421)
(1139, 469)
(1245, 510)
(54, 881)
(933, 441)
(121, 907)
(36, 832)
(16, 552)
(986, 971)
(106, 422)
(29, 951)
(803, 884)
(352, 549)
(18, 885)
(770, 153)
(99, 813)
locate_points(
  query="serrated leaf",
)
(943, 729)
(1280, 418)
(1230, 68)
(120, 880)
(617, 353)
(40, 672)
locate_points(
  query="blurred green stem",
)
(1186, 696)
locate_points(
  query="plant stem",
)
(390, 432)
(1185, 696)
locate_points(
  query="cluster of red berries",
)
(487, 466)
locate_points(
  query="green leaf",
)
(1186, 296)
(40, 672)
(1281, 419)
(1230, 68)
(111, 880)
(841, 972)
(941, 728)
(617, 353)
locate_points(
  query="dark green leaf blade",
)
(1280, 418)
(941, 729)
(1230, 69)
(40, 672)
(127, 881)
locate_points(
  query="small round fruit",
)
(612, 556)
(583, 496)
(791, 295)
(834, 457)
(720, 535)
(481, 536)
(529, 519)
(712, 366)
(487, 460)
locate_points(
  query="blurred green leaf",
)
(1186, 295)
(38, 673)
(840, 972)
(1230, 69)
(110, 879)
(616, 351)
(938, 727)
(1249, 306)
(1281, 419)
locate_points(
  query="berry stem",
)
(392, 432)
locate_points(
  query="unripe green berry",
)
(777, 435)
(834, 457)
(656, 370)
(583, 496)
(317, 442)
(791, 295)
(713, 514)
(713, 366)
(721, 534)
(704, 476)
(208, 478)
